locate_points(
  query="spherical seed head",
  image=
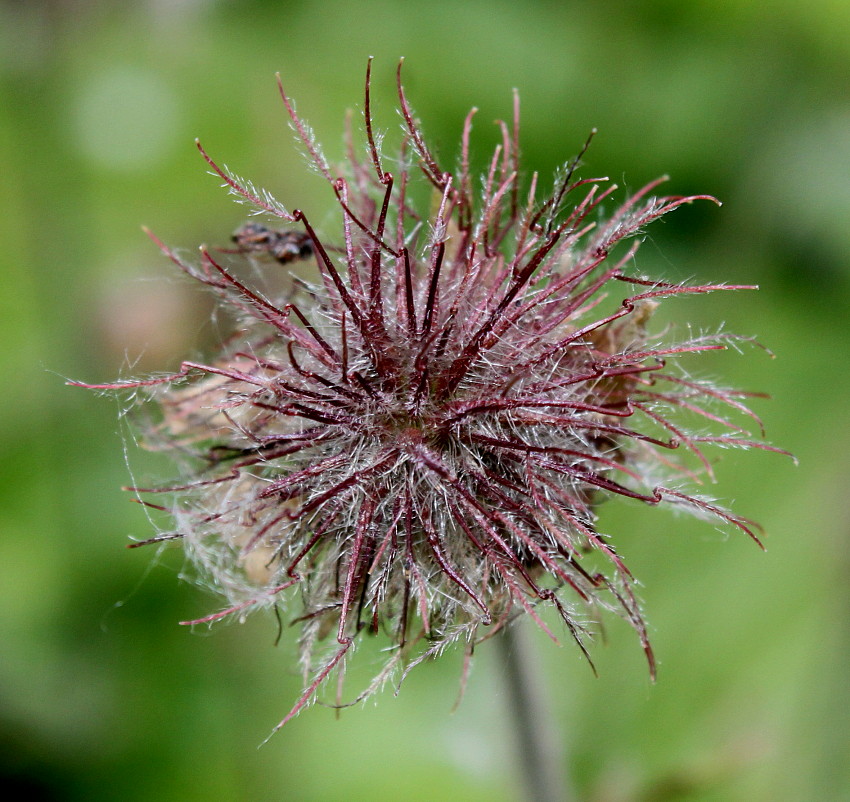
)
(415, 443)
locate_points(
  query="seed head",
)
(414, 443)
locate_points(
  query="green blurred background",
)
(103, 696)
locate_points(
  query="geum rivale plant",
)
(415, 443)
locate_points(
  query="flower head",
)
(414, 443)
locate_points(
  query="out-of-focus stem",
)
(538, 747)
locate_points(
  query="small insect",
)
(284, 245)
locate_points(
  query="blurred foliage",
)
(102, 696)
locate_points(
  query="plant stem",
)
(537, 743)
